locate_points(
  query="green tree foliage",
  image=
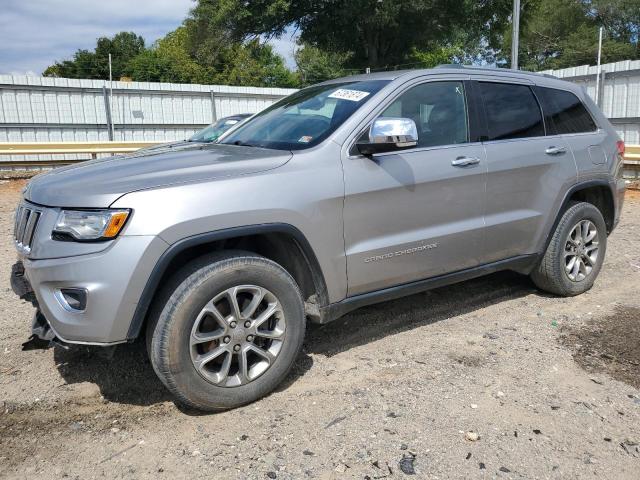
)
(168, 60)
(315, 65)
(376, 33)
(437, 56)
(226, 41)
(564, 33)
(123, 47)
(180, 58)
(252, 64)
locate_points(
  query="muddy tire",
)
(575, 253)
(228, 332)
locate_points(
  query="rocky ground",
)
(486, 379)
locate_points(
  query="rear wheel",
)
(229, 332)
(575, 253)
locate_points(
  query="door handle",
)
(555, 150)
(465, 161)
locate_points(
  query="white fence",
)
(40, 109)
(35, 109)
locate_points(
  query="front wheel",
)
(229, 333)
(575, 253)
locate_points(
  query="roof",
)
(440, 69)
(542, 79)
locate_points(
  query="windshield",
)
(304, 118)
(214, 131)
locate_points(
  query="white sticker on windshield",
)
(346, 94)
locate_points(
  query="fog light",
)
(72, 299)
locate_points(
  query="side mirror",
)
(388, 135)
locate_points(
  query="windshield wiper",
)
(240, 143)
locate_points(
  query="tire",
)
(555, 273)
(172, 334)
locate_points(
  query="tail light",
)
(620, 146)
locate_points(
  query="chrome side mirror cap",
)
(389, 134)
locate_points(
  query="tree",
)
(123, 47)
(564, 33)
(168, 60)
(437, 56)
(376, 33)
(315, 65)
(253, 64)
(226, 41)
(179, 58)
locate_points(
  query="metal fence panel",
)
(61, 109)
(57, 109)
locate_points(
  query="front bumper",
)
(113, 279)
(20, 285)
(40, 328)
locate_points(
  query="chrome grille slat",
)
(23, 224)
(27, 218)
(30, 229)
(17, 221)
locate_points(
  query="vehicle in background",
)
(350, 192)
(214, 131)
(209, 134)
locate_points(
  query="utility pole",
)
(113, 136)
(515, 36)
(598, 68)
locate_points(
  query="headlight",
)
(90, 224)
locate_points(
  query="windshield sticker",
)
(351, 95)
(305, 139)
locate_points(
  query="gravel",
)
(384, 392)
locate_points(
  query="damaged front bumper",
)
(40, 328)
(20, 284)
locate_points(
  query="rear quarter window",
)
(565, 112)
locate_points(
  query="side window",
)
(512, 111)
(566, 112)
(439, 110)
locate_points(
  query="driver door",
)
(417, 213)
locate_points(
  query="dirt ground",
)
(485, 379)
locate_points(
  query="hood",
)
(164, 147)
(98, 183)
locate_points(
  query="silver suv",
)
(344, 194)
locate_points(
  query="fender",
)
(565, 201)
(161, 266)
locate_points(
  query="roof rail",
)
(493, 69)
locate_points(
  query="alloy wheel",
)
(581, 250)
(237, 335)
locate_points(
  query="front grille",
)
(27, 218)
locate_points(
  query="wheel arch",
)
(596, 192)
(280, 242)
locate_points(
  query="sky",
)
(36, 33)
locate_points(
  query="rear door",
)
(567, 116)
(525, 169)
(417, 213)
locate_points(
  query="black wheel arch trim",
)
(575, 188)
(189, 242)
